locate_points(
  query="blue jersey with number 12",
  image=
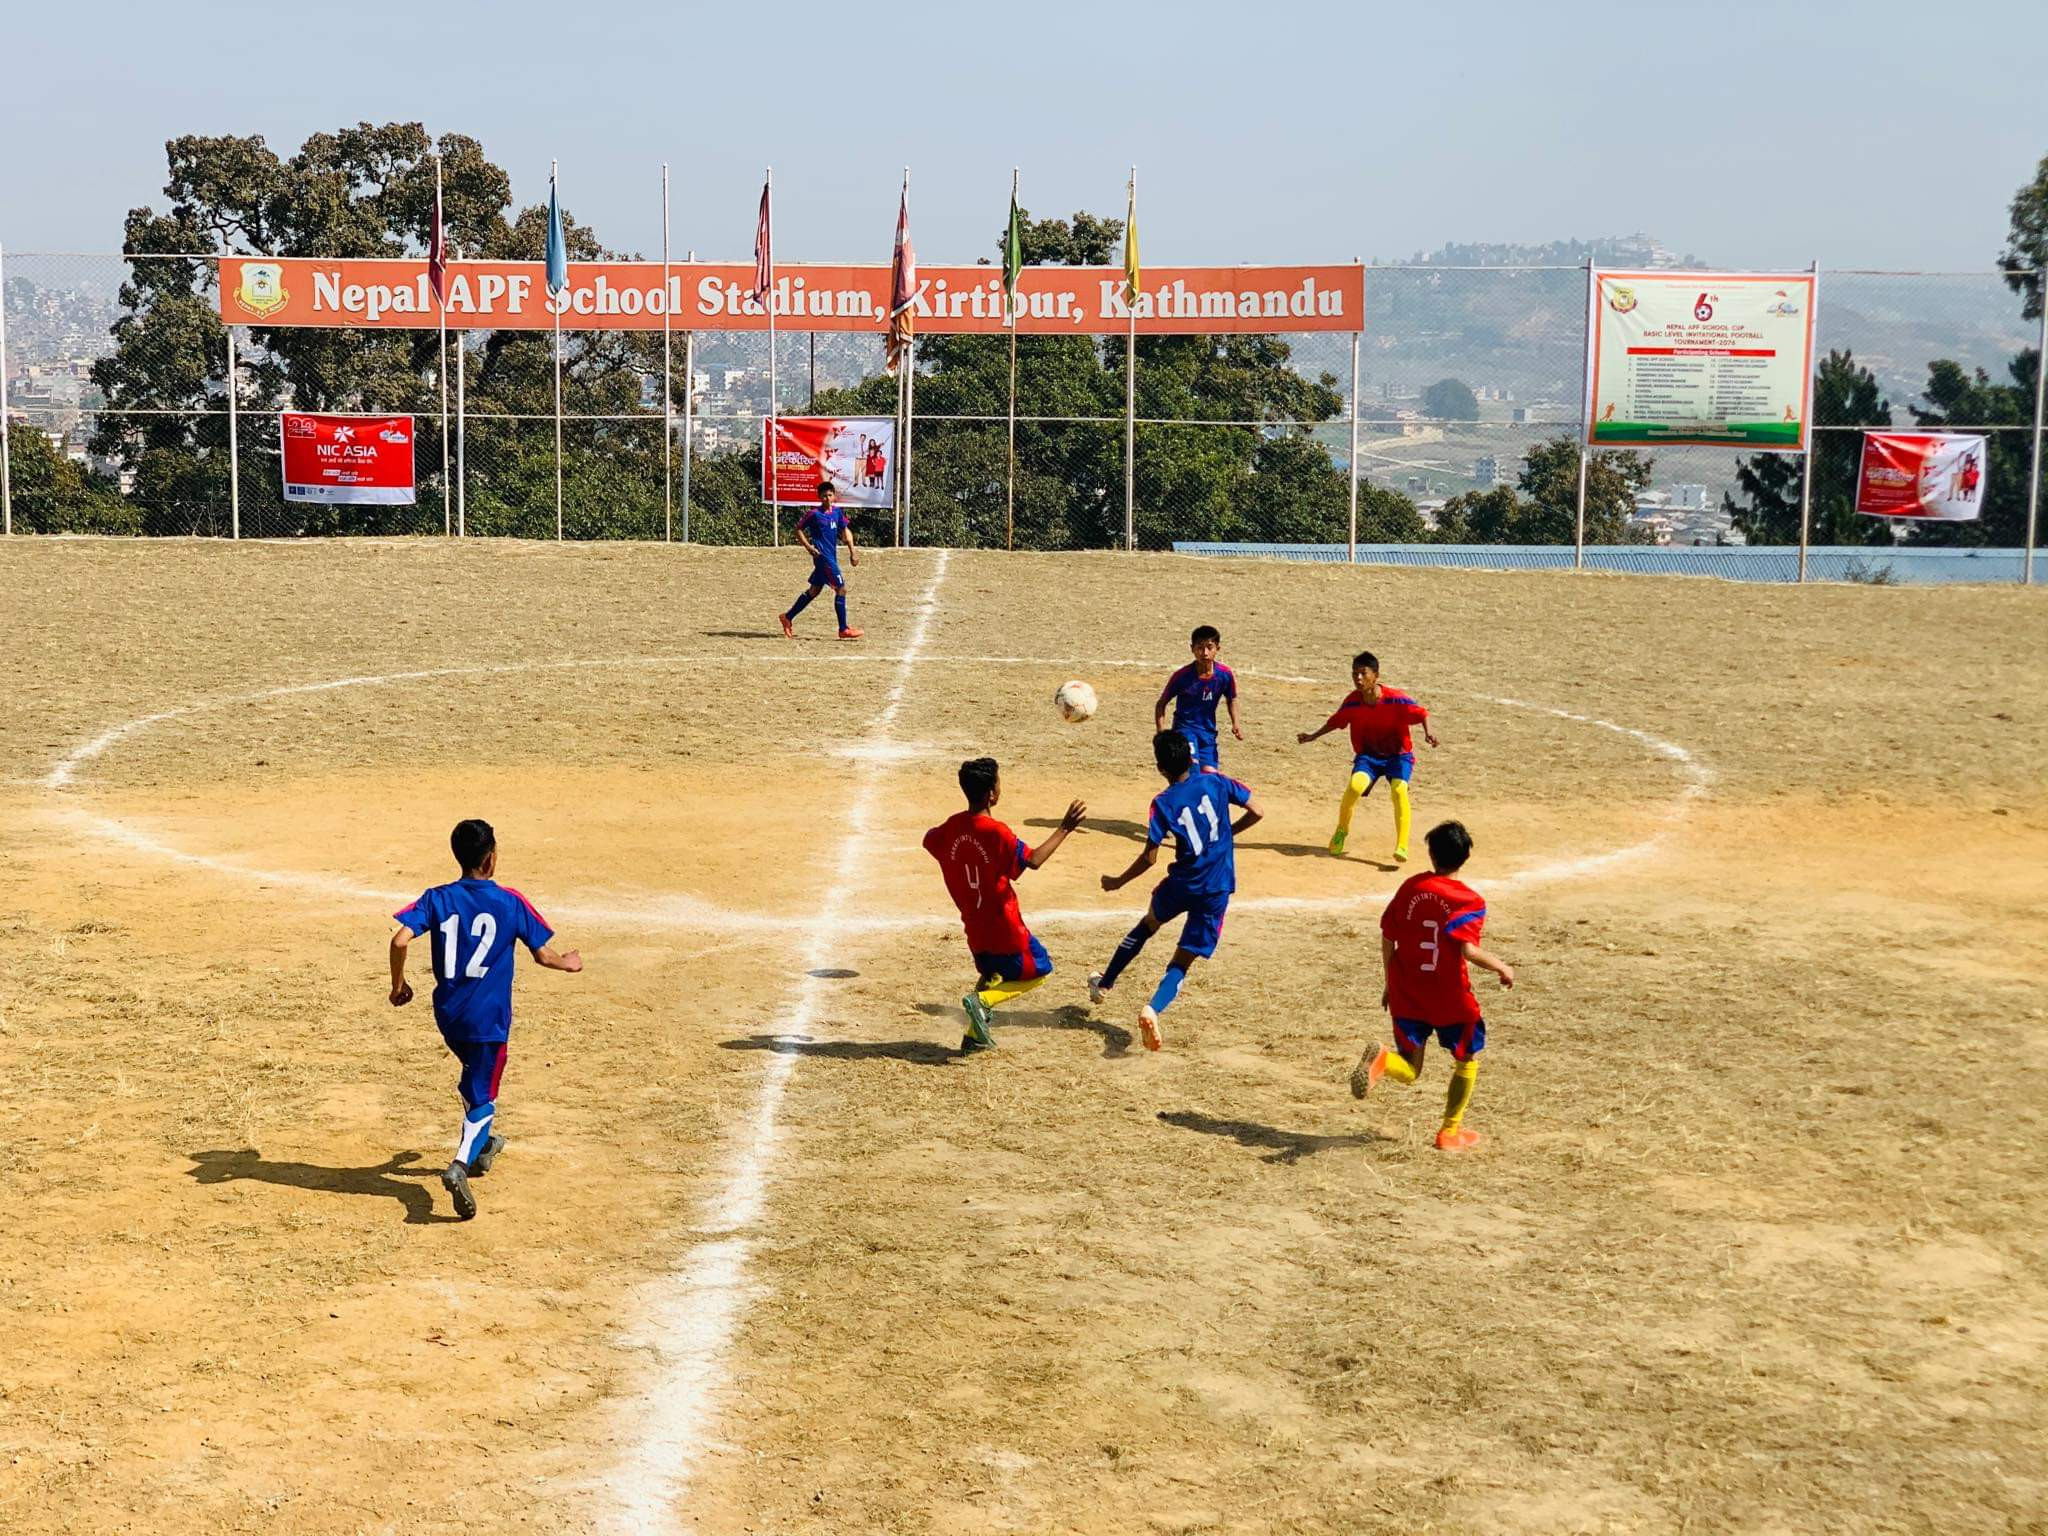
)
(1195, 813)
(475, 923)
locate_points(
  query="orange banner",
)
(702, 296)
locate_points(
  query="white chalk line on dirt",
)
(688, 1319)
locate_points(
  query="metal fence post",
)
(6, 447)
(909, 429)
(1356, 336)
(234, 445)
(2040, 379)
(1806, 458)
(1585, 427)
(668, 398)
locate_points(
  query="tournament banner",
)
(1934, 475)
(703, 296)
(349, 460)
(1717, 358)
(856, 453)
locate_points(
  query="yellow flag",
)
(1133, 284)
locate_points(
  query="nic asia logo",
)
(261, 291)
(1782, 304)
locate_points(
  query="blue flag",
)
(558, 248)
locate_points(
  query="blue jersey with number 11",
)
(1195, 813)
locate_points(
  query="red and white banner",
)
(351, 460)
(856, 453)
(1936, 475)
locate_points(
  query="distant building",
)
(1490, 470)
(1527, 415)
(1689, 497)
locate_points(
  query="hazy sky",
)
(1871, 133)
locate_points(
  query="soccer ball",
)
(1075, 701)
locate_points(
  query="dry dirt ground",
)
(1755, 1241)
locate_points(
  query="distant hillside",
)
(1608, 250)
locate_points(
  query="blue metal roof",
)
(1906, 566)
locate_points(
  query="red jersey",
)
(1380, 727)
(1428, 918)
(980, 857)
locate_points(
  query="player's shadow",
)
(1115, 1038)
(921, 1053)
(1318, 850)
(1280, 1146)
(225, 1167)
(1110, 826)
(742, 634)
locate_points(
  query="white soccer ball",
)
(1075, 701)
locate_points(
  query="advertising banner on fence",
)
(699, 296)
(1721, 358)
(360, 460)
(856, 453)
(1937, 475)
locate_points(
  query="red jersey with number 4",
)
(980, 857)
(1428, 919)
(1380, 727)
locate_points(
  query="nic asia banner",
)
(359, 460)
(637, 296)
(856, 453)
(1721, 358)
(1938, 475)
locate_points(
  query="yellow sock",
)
(1400, 1068)
(1402, 814)
(1002, 991)
(1353, 793)
(1462, 1082)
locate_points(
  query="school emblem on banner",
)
(1621, 300)
(261, 291)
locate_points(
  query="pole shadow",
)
(1116, 1040)
(919, 1053)
(222, 1166)
(1280, 1146)
(1109, 826)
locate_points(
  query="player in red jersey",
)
(980, 857)
(1379, 718)
(1427, 934)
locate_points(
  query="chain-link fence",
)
(1452, 420)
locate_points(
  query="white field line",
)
(687, 1319)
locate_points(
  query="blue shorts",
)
(483, 1067)
(1463, 1041)
(1398, 765)
(1205, 749)
(1199, 934)
(825, 574)
(1022, 967)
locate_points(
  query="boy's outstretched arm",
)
(1486, 962)
(1305, 737)
(401, 989)
(1045, 850)
(1139, 865)
(1252, 814)
(559, 959)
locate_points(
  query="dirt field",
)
(1755, 1241)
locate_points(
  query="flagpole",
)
(668, 399)
(461, 439)
(441, 358)
(909, 392)
(1010, 481)
(689, 426)
(769, 476)
(1131, 382)
(553, 190)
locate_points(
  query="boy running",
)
(979, 857)
(1428, 932)
(475, 922)
(1379, 718)
(1194, 810)
(820, 531)
(1195, 690)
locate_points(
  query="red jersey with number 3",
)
(1430, 916)
(980, 857)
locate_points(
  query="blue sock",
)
(803, 601)
(1169, 988)
(1126, 951)
(839, 603)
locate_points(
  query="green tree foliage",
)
(1450, 400)
(1845, 394)
(2026, 244)
(53, 495)
(1543, 508)
(366, 191)
(1960, 399)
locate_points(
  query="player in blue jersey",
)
(821, 531)
(475, 923)
(1195, 691)
(1193, 810)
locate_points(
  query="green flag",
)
(1013, 254)
(1133, 286)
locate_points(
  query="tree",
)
(1450, 400)
(1845, 394)
(2026, 243)
(1546, 509)
(1959, 399)
(54, 495)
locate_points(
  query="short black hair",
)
(827, 488)
(1365, 659)
(472, 842)
(978, 780)
(1450, 845)
(1173, 752)
(1207, 632)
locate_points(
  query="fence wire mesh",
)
(1463, 396)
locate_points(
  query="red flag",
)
(437, 248)
(764, 262)
(902, 286)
